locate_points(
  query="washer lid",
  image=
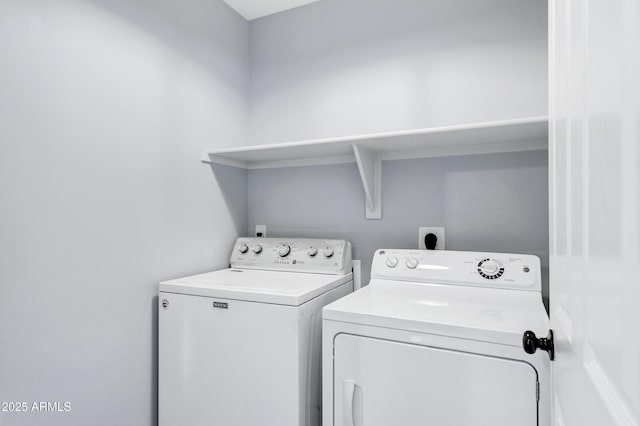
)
(484, 314)
(281, 288)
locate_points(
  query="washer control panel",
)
(496, 270)
(292, 254)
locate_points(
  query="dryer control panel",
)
(311, 255)
(477, 269)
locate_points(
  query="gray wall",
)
(493, 202)
(105, 107)
(341, 67)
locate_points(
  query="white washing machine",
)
(242, 346)
(436, 338)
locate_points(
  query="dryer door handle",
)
(348, 396)
(531, 343)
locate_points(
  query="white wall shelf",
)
(368, 151)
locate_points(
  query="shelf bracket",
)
(206, 158)
(370, 168)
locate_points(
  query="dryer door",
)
(381, 383)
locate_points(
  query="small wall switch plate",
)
(424, 230)
(261, 231)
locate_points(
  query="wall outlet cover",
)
(438, 231)
(261, 230)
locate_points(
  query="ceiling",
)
(252, 9)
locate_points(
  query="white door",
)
(595, 195)
(384, 383)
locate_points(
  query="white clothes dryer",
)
(242, 346)
(436, 338)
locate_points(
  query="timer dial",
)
(284, 250)
(490, 269)
(328, 252)
(412, 263)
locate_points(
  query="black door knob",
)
(531, 343)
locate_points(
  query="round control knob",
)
(490, 269)
(256, 249)
(392, 262)
(284, 250)
(412, 263)
(328, 252)
(312, 251)
(243, 248)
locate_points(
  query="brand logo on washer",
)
(221, 305)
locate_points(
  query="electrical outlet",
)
(423, 231)
(261, 230)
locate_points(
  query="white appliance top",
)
(453, 302)
(292, 254)
(281, 288)
(271, 273)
